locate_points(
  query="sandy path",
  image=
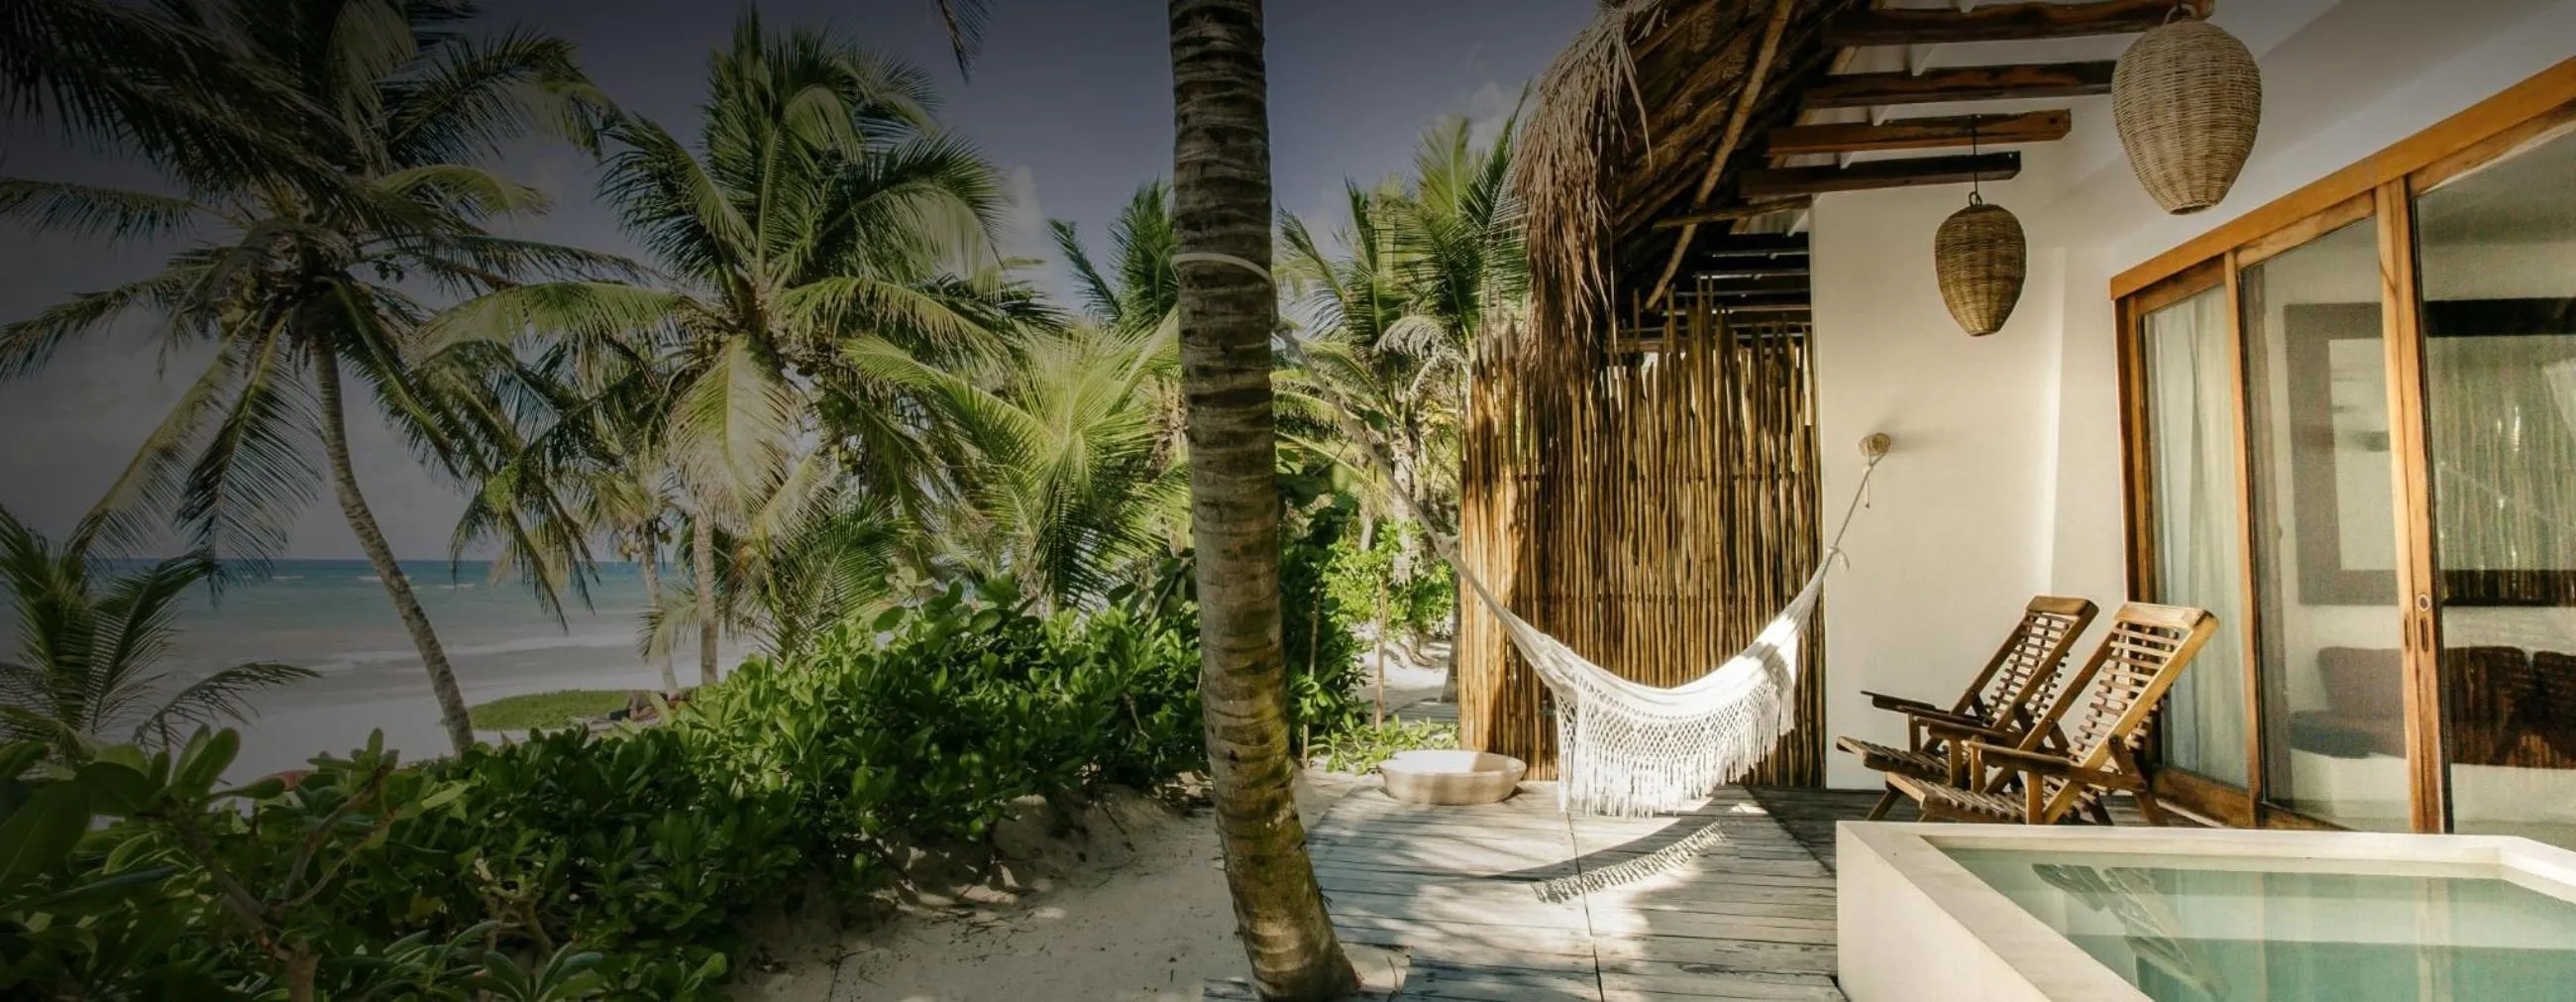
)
(1133, 910)
(1144, 918)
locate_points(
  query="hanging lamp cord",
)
(1976, 169)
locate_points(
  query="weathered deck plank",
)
(1751, 920)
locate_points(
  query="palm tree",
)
(300, 277)
(1431, 266)
(1228, 309)
(87, 649)
(1142, 287)
(821, 215)
(1070, 485)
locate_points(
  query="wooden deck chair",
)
(2103, 725)
(2004, 699)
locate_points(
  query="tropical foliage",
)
(821, 220)
(978, 538)
(326, 161)
(90, 643)
(576, 865)
(1427, 268)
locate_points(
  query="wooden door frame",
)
(2382, 188)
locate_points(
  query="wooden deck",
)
(1456, 888)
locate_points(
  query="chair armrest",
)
(1899, 704)
(1950, 719)
(1946, 730)
(1983, 756)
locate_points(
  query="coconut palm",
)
(89, 641)
(1142, 286)
(1429, 267)
(292, 280)
(1069, 486)
(821, 210)
(1228, 309)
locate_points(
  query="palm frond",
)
(90, 210)
(219, 699)
(966, 20)
(732, 431)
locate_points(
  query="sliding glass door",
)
(2352, 436)
(2328, 616)
(2498, 266)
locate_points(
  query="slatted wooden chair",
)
(2004, 699)
(2103, 725)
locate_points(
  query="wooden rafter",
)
(1881, 174)
(1963, 83)
(1922, 133)
(1731, 213)
(1747, 98)
(1999, 23)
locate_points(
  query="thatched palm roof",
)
(1628, 123)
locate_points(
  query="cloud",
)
(1487, 108)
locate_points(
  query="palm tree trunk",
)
(653, 600)
(702, 572)
(1221, 175)
(380, 555)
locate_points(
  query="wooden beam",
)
(1727, 284)
(1748, 245)
(1999, 23)
(1963, 83)
(1748, 97)
(1883, 174)
(1922, 133)
(1732, 213)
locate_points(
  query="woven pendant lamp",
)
(2188, 99)
(1982, 258)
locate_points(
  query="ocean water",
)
(333, 617)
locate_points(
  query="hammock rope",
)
(1627, 749)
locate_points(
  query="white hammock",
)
(1628, 749)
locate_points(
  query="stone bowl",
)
(1452, 778)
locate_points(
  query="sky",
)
(1070, 100)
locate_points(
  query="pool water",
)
(2235, 930)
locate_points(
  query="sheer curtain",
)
(2191, 382)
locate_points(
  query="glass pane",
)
(2191, 444)
(2499, 274)
(2325, 574)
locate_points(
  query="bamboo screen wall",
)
(1651, 503)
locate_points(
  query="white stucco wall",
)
(2005, 481)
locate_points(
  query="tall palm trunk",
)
(702, 573)
(653, 600)
(1221, 175)
(344, 483)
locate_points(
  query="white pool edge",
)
(1913, 925)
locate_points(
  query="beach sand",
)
(1145, 918)
(1133, 910)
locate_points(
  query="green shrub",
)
(623, 840)
(1364, 748)
(926, 723)
(341, 884)
(577, 866)
(541, 710)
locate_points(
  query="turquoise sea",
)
(332, 616)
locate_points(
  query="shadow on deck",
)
(1456, 888)
(1749, 918)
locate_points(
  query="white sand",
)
(1142, 916)
(1130, 908)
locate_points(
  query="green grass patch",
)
(539, 710)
